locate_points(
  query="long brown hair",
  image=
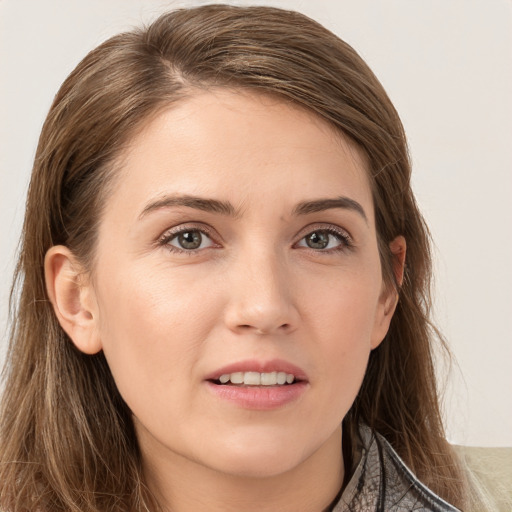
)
(67, 440)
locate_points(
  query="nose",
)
(261, 296)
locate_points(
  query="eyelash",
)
(168, 236)
(346, 242)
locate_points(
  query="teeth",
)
(268, 379)
(223, 379)
(281, 378)
(257, 379)
(237, 378)
(252, 378)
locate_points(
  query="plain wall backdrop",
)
(447, 66)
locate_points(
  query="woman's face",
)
(238, 250)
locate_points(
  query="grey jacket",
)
(382, 483)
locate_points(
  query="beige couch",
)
(492, 471)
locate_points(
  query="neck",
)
(182, 485)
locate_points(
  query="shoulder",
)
(404, 491)
(383, 483)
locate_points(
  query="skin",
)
(254, 289)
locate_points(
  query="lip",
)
(261, 398)
(253, 365)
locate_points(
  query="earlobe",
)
(72, 298)
(390, 295)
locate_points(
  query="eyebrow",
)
(198, 203)
(226, 208)
(321, 205)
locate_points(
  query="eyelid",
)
(347, 241)
(171, 233)
(324, 226)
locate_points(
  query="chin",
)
(258, 466)
(258, 457)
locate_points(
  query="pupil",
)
(190, 239)
(318, 240)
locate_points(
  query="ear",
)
(73, 299)
(389, 295)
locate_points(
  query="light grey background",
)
(447, 65)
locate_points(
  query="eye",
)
(325, 239)
(188, 240)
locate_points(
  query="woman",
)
(224, 284)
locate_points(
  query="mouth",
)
(256, 379)
(258, 385)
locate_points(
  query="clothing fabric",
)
(383, 483)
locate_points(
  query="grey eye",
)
(322, 239)
(318, 239)
(190, 240)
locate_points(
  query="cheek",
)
(345, 308)
(152, 329)
(152, 308)
(343, 317)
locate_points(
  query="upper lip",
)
(253, 365)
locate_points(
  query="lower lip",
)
(262, 398)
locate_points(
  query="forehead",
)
(239, 143)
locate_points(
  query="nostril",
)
(282, 327)
(262, 327)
